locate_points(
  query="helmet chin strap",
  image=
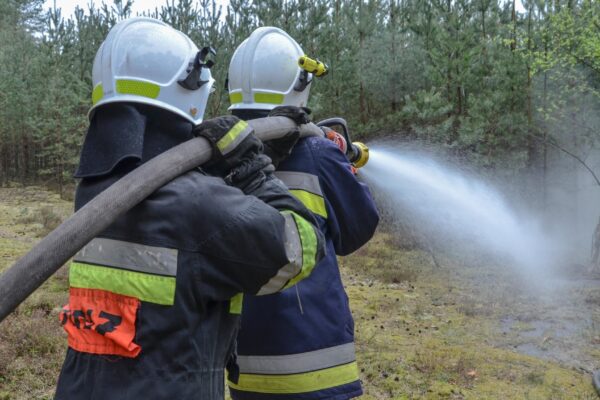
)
(192, 81)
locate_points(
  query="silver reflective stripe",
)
(131, 256)
(300, 180)
(293, 251)
(297, 363)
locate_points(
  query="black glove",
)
(300, 115)
(233, 144)
(279, 149)
(251, 173)
(238, 158)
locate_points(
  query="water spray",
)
(453, 205)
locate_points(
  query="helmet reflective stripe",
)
(128, 86)
(141, 60)
(263, 98)
(97, 93)
(264, 71)
(236, 97)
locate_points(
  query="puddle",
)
(562, 328)
(541, 329)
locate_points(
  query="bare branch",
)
(556, 145)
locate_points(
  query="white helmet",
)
(144, 60)
(264, 72)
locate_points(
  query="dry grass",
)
(32, 344)
(423, 332)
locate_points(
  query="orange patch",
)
(101, 322)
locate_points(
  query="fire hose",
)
(34, 268)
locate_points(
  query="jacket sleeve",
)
(352, 214)
(265, 241)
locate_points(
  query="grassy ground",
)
(456, 331)
(32, 343)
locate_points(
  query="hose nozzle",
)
(360, 154)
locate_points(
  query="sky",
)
(68, 6)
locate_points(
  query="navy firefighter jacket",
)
(154, 300)
(299, 343)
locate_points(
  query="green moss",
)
(423, 331)
(438, 335)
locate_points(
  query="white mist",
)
(454, 204)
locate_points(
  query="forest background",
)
(503, 89)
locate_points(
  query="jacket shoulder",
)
(184, 213)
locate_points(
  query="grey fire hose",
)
(45, 258)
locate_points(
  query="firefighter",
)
(154, 300)
(299, 343)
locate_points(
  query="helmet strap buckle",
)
(303, 81)
(192, 81)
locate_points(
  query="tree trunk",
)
(4, 163)
(545, 135)
(25, 174)
(531, 150)
(361, 94)
(393, 52)
(483, 22)
(60, 177)
(449, 66)
(459, 98)
(595, 258)
(513, 43)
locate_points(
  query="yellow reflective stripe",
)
(298, 383)
(313, 202)
(139, 88)
(308, 238)
(231, 135)
(235, 304)
(97, 93)
(236, 97)
(146, 287)
(269, 98)
(295, 256)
